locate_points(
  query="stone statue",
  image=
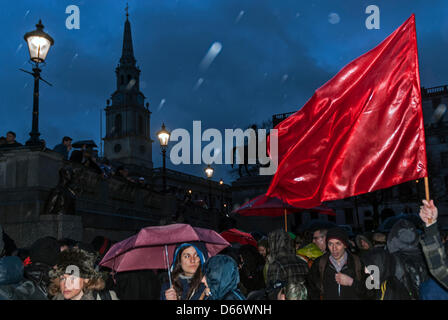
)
(62, 199)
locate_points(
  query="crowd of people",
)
(324, 265)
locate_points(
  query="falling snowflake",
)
(240, 15)
(333, 18)
(198, 84)
(131, 84)
(214, 50)
(19, 47)
(285, 77)
(297, 14)
(162, 103)
(26, 14)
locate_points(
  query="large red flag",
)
(361, 131)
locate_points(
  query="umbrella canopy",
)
(235, 235)
(88, 143)
(274, 207)
(388, 223)
(146, 249)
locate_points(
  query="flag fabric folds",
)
(361, 131)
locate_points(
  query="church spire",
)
(127, 56)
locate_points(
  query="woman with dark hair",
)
(186, 273)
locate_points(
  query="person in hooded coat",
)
(221, 278)
(390, 287)
(186, 273)
(411, 269)
(43, 256)
(284, 265)
(13, 286)
(251, 270)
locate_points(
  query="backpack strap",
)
(322, 264)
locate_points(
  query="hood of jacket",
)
(280, 243)
(222, 276)
(403, 237)
(11, 270)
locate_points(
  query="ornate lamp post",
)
(209, 173)
(39, 44)
(164, 138)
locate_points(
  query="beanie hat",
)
(339, 234)
(45, 250)
(74, 258)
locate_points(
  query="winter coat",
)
(185, 281)
(91, 295)
(284, 265)
(137, 285)
(61, 149)
(357, 291)
(435, 254)
(12, 284)
(251, 272)
(38, 274)
(411, 269)
(222, 276)
(390, 287)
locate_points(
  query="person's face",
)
(64, 247)
(337, 248)
(190, 261)
(364, 245)
(10, 138)
(262, 251)
(68, 143)
(72, 287)
(319, 240)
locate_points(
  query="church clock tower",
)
(127, 137)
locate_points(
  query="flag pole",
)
(427, 194)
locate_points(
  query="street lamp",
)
(39, 44)
(164, 138)
(221, 183)
(209, 173)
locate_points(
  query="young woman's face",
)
(189, 261)
(72, 287)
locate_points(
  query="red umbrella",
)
(235, 235)
(149, 248)
(264, 205)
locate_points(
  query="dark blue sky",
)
(275, 53)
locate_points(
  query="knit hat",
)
(74, 258)
(339, 234)
(45, 250)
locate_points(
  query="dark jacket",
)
(38, 274)
(185, 288)
(12, 284)
(222, 277)
(285, 266)
(357, 291)
(137, 285)
(435, 254)
(411, 269)
(62, 149)
(251, 272)
(390, 287)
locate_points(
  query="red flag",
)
(361, 131)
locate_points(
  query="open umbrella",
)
(235, 235)
(275, 207)
(153, 247)
(88, 143)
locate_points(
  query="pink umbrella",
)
(148, 248)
